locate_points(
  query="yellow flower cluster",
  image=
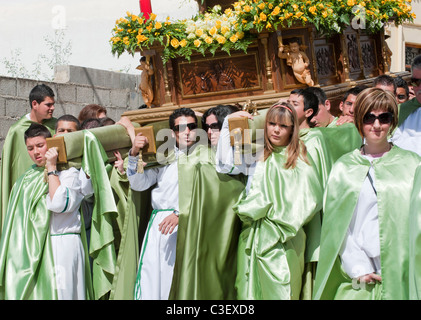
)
(234, 28)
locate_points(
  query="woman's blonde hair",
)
(374, 99)
(284, 113)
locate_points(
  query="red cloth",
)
(145, 7)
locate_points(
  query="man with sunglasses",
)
(408, 133)
(158, 250)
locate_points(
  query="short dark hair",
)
(354, 91)
(310, 101)
(319, 93)
(68, 118)
(186, 112)
(36, 130)
(39, 93)
(220, 112)
(91, 123)
(107, 121)
(385, 80)
(401, 83)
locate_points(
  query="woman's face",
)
(279, 132)
(376, 126)
(213, 133)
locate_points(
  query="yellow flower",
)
(350, 3)
(299, 14)
(221, 39)
(141, 38)
(152, 16)
(313, 10)
(183, 43)
(174, 43)
(247, 8)
(276, 11)
(240, 35)
(234, 38)
(263, 16)
(198, 32)
(158, 25)
(208, 40)
(224, 29)
(213, 31)
(197, 43)
(261, 5)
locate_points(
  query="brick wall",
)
(74, 87)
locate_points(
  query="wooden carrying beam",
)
(148, 132)
(59, 143)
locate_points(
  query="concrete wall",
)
(74, 87)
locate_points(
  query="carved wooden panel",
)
(354, 65)
(369, 56)
(325, 59)
(219, 75)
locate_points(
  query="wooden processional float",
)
(253, 80)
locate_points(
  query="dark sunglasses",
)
(415, 82)
(182, 127)
(401, 96)
(384, 118)
(212, 126)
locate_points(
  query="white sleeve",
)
(354, 259)
(68, 195)
(140, 181)
(85, 184)
(225, 154)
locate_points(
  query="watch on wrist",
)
(54, 173)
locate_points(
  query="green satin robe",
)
(394, 173)
(15, 159)
(406, 108)
(324, 147)
(101, 249)
(415, 238)
(26, 258)
(272, 241)
(208, 230)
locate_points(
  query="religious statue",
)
(145, 85)
(297, 59)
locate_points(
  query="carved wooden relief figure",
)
(145, 85)
(297, 59)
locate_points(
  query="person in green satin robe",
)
(364, 242)
(284, 193)
(42, 251)
(14, 157)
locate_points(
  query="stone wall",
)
(74, 87)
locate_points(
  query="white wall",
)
(88, 25)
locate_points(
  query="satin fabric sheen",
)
(208, 229)
(394, 174)
(15, 159)
(102, 248)
(272, 241)
(26, 259)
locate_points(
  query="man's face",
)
(323, 117)
(185, 131)
(416, 74)
(298, 103)
(347, 107)
(65, 127)
(37, 147)
(45, 109)
(401, 96)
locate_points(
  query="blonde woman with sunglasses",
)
(284, 193)
(364, 240)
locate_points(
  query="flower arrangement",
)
(236, 27)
